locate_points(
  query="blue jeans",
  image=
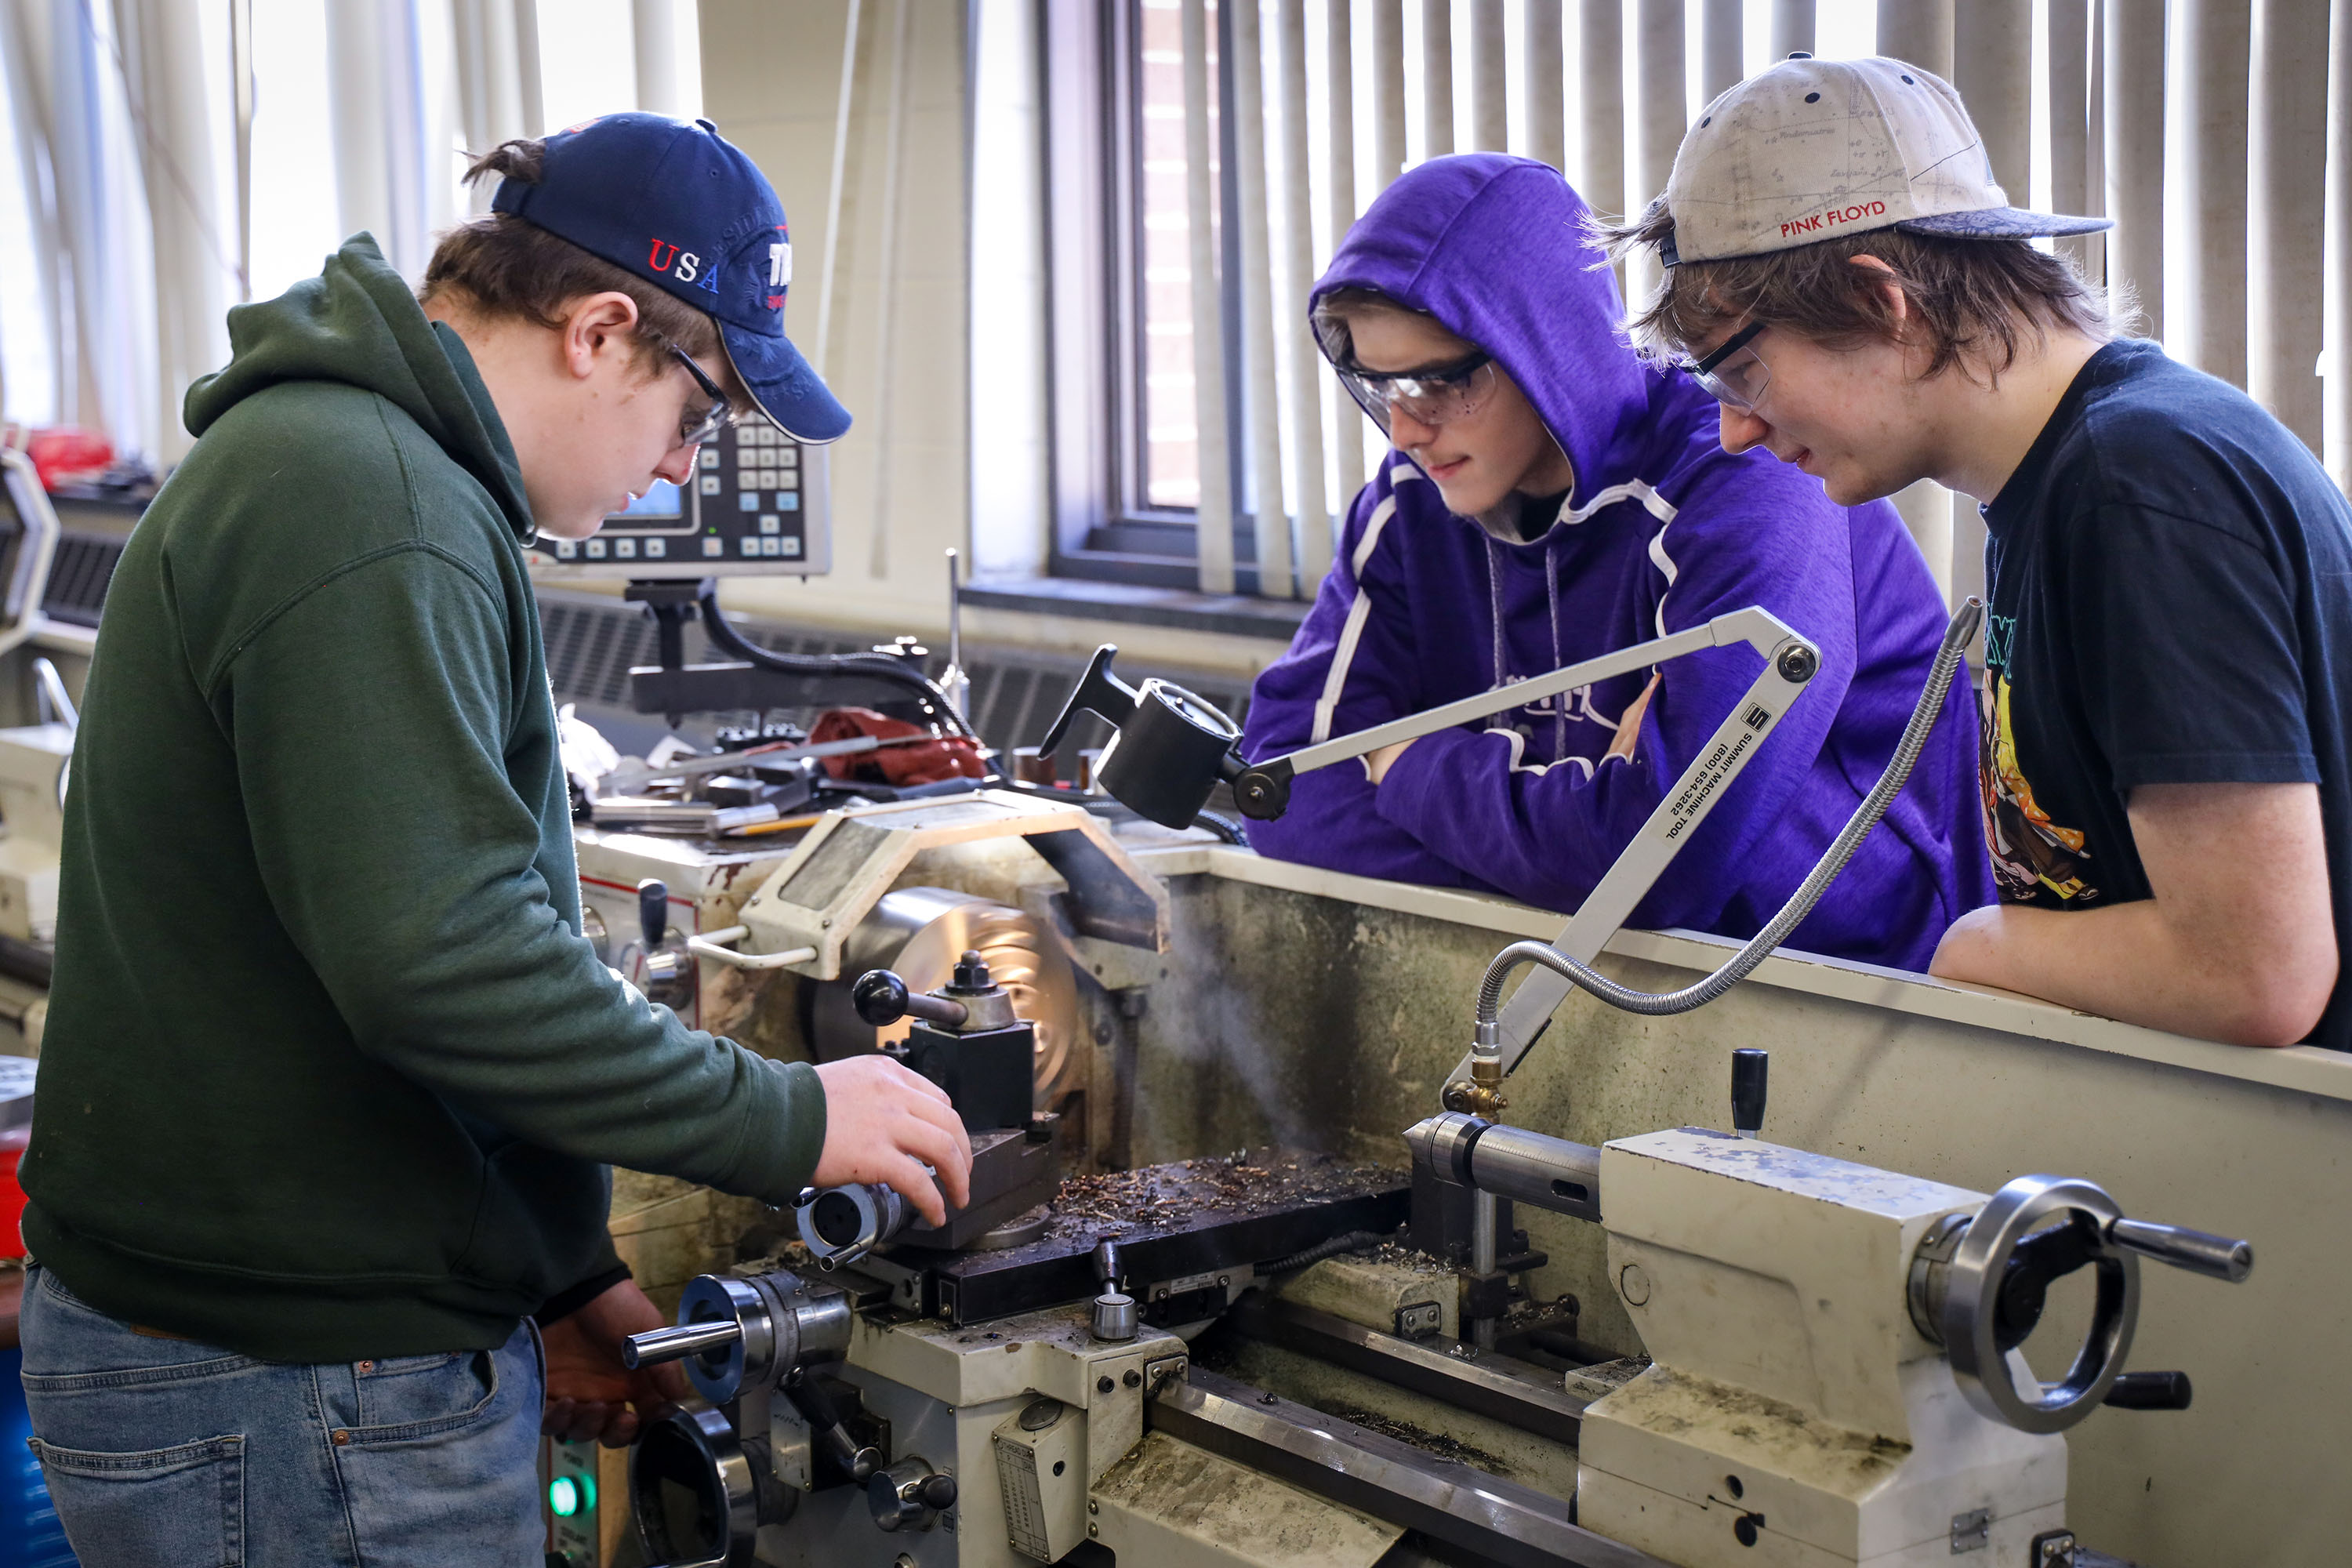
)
(163, 1453)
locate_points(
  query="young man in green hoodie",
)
(332, 1076)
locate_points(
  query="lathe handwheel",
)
(692, 1491)
(1978, 1269)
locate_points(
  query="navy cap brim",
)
(2002, 222)
(788, 391)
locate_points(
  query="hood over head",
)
(357, 322)
(1493, 248)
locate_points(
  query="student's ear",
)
(594, 325)
(1898, 305)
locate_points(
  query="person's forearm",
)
(2125, 961)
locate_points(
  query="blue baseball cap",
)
(680, 206)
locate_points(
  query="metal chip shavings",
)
(1249, 1180)
(1421, 1437)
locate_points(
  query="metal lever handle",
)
(658, 1345)
(1099, 692)
(2200, 1252)
(653, 911)
(859, 1462)
(2151, 1391)
(882, 999)
(1750, 1075)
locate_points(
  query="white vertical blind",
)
(1547, 81)
(2289, 125)
(1601, 103)
(2134, 58)
(2066, 50)
(1661, 112)
(1793, 28)
(1215, 515)
(1340, 87)
(495, 80)
(1437, 78)
(1992, 67)
(2216, 37)
(1388, 92)
(1306, 381)
(2095, 144)
(1920, 31)
(2339, 301)
(1722, 47)
(181, 111)
(1261, 398)
(654, 26)
(1489, 77)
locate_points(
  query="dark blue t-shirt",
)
(2172, 587)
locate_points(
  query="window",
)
(1311, 107)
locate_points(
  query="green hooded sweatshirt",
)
(329, 1071)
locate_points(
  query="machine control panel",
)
(758, 505)
(575, 1538)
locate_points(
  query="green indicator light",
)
(587, 1494)
(563, 1498)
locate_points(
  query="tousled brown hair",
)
(1981, 299)
(506, 266)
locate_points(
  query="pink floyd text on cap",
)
(677, 203)
(1813, 149)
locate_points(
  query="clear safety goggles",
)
(1732, 374)
(1434, 396)
(695, 425)
(1431, 397)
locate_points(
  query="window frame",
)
(1102, 529)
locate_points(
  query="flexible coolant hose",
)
(882, 667)
(1664, 1003)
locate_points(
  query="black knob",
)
(882, 999)
(1750, 1074)
(939, 1492)
(652, 911)
(2150, 1391)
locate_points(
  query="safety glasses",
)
(1732, 374)
(695, 425)
(1432, 397)
(1436, 395)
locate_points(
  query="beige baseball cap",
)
(1811, 149)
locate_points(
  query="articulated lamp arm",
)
(1263, 790)
(1172, 747)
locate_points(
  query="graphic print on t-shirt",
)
(2032, 856)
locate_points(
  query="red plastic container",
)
(12, 1191)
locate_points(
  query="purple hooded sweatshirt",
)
(1663, 530)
